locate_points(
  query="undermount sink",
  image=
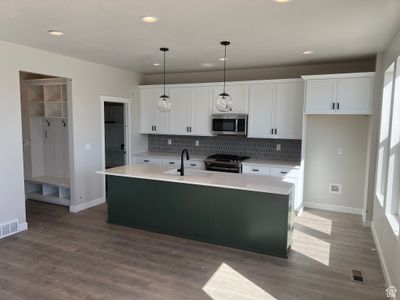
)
(189, 172)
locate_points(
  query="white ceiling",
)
(262, 32)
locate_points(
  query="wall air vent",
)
(335, 188)
(8, 228)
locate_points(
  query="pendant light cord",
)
(224, 68)
(164, 72)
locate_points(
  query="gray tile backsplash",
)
(235, 145)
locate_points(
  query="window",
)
(383, 150)
(393, 179)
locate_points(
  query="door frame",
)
(128, 130)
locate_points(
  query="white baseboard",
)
(299, 211)
(86, 205)
(366, 222)
(380, 255)
(22, 226)
(344, 209)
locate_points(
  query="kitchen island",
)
(243, 211)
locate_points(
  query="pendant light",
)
(164, 104)
(224, 101)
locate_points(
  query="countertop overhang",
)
(245, 182)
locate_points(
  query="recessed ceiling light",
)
(156, 64)
(207, 65)
(149, 19)
(282, 1)
(55, 32)
(308, 52)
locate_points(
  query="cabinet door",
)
(239, 94)
(200, 110)
(320, 96)
(289, 110)
(261, 110)
(148, 105)
(179, 121)
(354, 95)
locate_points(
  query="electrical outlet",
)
(340, 150)
(169, 141)
(278, 147)
(197, 143)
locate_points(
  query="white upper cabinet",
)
(152, 120)
(354, 95)
(276, 110)
(240, 97)
(289, 110)
(339, 94)
(261, 111)
(189, 115)
(320, 95)
(200, 111)
(179, 116)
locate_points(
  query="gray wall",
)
(89, 81)
(280, 72)
(388, 244)
(324, 166)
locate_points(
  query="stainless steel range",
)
(224, 163)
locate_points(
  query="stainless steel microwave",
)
(230, 124)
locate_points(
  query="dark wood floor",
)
(80, 256)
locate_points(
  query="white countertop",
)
(264, 184)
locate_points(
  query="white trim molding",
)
(22, 226)
(380, 255)
(86, 205)
(337, 208)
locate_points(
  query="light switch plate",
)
(278, 147)
(340, 150)
(169, 141)
(197, 143)
(88, 147)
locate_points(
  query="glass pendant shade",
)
(164, 104)
(224, 102)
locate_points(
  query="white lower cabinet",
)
(285, 172)
(256, 170)
(147, 160)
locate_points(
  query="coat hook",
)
(48, 123)
(64, 124)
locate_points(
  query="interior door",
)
(320, 96)
(289, 110)
(354, 95)
(115, 126)
(261, 111)
(179, 115)
(200, 110)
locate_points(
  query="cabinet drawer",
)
(196, 164)
(170, 162)
(147, 160)
(256, 170)
(285, 172)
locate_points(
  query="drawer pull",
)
(284, 172)
(171, 163)
(255, 170)
(193, 165)
(146, 160)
